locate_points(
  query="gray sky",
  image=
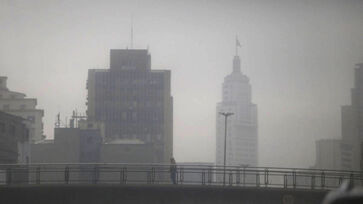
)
(299, 55)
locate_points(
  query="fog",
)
(299, 56)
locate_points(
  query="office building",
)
(14, 140)
(352, 125)
(133, 102)
(328, 154)
(242, 141)
(17, 104)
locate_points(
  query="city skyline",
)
(294, 65)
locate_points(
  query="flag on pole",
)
(237, 43)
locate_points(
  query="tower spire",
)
(236, 60)
(238, 44)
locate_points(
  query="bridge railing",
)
(38, 174)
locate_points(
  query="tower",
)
(242, 143)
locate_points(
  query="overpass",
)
(150, 183)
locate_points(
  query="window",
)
(12, 129)
(2, 128)
(23, 106)
(31, 118)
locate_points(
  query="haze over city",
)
(299, 56)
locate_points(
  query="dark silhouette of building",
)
(352, 125)
(14, 139)
(133, 102)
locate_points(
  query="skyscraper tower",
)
(352, 128)
(242, 143)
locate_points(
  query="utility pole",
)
(226, 115)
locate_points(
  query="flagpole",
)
(236, 46)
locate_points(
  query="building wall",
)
(328, 154)
(14, 139)
(16, 104)
(133, 101)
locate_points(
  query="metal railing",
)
(289, 178)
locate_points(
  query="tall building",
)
(328, 154)
(352, 125)
(242, 143)
(133, 101)
(16, 104)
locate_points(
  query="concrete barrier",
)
(154, 194)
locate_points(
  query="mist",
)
(299, 56)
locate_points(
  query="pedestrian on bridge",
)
(173, 170)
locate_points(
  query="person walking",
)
(173, 170)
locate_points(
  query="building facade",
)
(14, 140)
(242, 141)
(17, 104)
(328, 154)
(352, 125)
(133, 101)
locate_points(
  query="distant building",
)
(16, 104)
(242, 141)
(352, 126)
(84, 145)
(70, 145)
(133, 102)
(14, 140)
(328, 154)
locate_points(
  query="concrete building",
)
(16, 104)
(133, 102)
(352, 125)
(70, 145)
(14, 140)
(242, 146)
(328, 154)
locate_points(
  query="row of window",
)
(128, 116)
(7, 107)
(7, 129)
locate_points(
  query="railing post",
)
(322, 180)
(203, 177)
(152, 174)
(209, 175)
(351, 178)
(294, 179)
(266, 177)
(244, 176)
(8, 176)
(238, 177)
(230, 178)
(66, 175)
(148, 176)
(313, 182)
(95, 175)
(37, 175)
(340, 180)
(285, 181)
(123, 175)
(181, 175)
